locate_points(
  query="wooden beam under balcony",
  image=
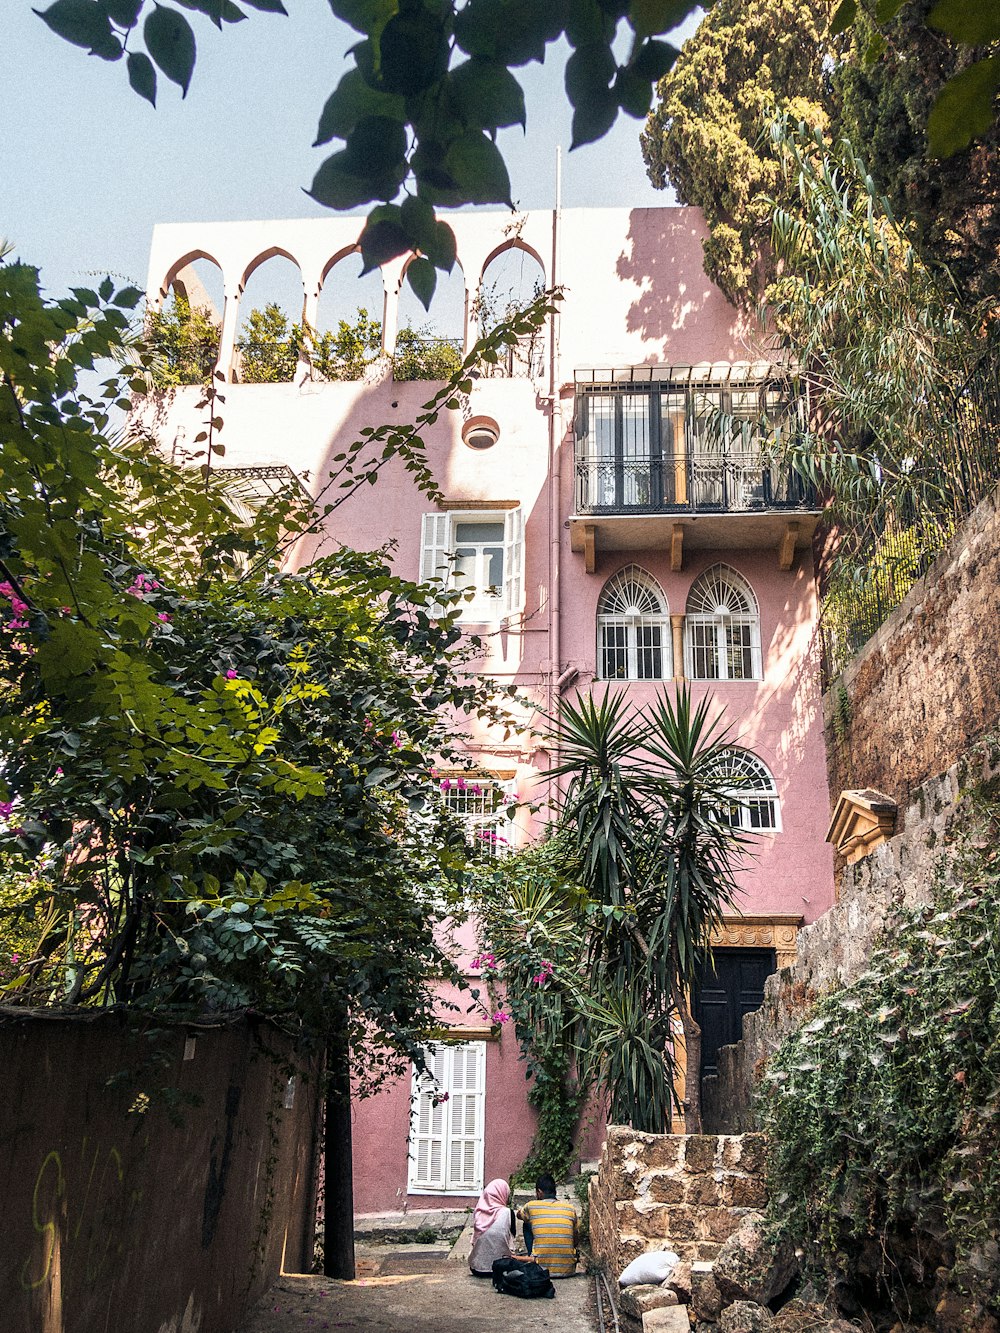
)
(583, 538)
(786, 551)
(677, 548)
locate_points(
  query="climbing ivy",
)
(883, 1110)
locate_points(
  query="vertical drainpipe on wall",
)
(555, 469)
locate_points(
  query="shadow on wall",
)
(696, 323)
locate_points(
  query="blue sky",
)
(87, 168)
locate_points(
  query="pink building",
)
(606, 501)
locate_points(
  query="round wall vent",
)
(480, 433)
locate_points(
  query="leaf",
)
(170, 42)
(422, 277)
(887, 9)
(268, 6)
(443, 250)
(589, 72)
(593, 119)
(652, 16)
(123, 12)
(414, 52)
(845, 14)
(486, 94)
(83, 23)
(367, 16)
(512, 32)
(142, 78)
(634, 93)
(964, 108)
(654, 59)
(128, 297)
(480, 174)
(974, 23)
(337, 185)
(351, 101)
(376, 146)
(419, 223)
(383, 238)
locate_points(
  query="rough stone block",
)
(666, 1189)
(679, 1281)
(669, 1319)
(753, 1153)
(703, 1190)
(732, 1151)
(716, 1224)
(747, 1192)
(663, 1151)
(706, 1300)
(749, 1267)
(636, 1301)
(746, 1317)
(700, 1151)
(665, 1223)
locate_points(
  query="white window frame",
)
(753, 786)
(455, 1123)
(438, 543)
(721, 606)
(495, 824)
(634, 621)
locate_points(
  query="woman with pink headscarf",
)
(493, 1228)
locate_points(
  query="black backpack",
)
(521, 1277)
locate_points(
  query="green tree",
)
(183, 342)
(193, 744)
(270, 347)
(705, 135)
(874, 84)
(345, 354)
(421, 355)
(647, 816)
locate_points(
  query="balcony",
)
(675, 463)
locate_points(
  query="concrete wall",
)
(928, 683)
(686, 1193)
(150, 1184)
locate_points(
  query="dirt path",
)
(416, 1289)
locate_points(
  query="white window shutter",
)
(434, 547)
(513, 561)
(465, 1109)
(428, 1122)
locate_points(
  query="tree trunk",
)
(338, 1184)
(692, 1063)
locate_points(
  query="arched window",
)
(753, 792)
(633, 628)
(722, 628)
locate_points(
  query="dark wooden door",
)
(732, 987)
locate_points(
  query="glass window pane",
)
(494, 566)
(468, 533)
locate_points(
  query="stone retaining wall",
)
(927, 684)
(686, 1193)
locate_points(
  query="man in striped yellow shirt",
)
(550, 1230)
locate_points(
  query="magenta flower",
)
(59, 772)
(164, 617)
(446, 784)
(5, 808)
(231, 674)
(498, 1016)
(396, 740)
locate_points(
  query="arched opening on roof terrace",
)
(270, 333)
(349, 314)
(512, 277)
(430, 343)
(184, 321)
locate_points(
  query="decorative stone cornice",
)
(862, 820)
(777, 932)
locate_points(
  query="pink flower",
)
(231, 674)
(66, 610)
(59, 772)
(7, 590)
(397, 742)
(5, 808)
(163, 616)
(460, 784)
(498, 1016)
(446, 784)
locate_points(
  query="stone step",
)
(667, 1319)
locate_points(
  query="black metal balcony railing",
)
(692, 482)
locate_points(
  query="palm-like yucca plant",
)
(647, 809)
